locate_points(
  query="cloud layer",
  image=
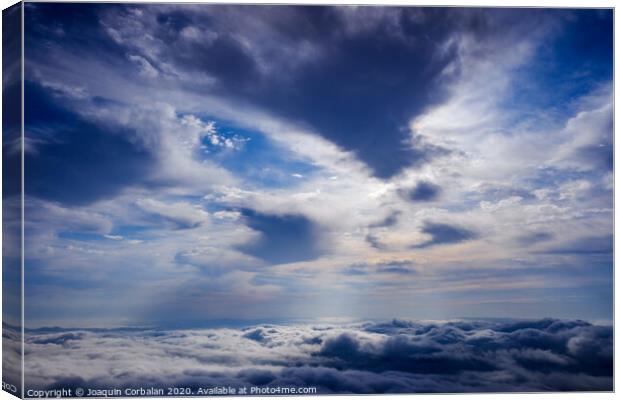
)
(369, 357)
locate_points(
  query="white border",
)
(478, 3)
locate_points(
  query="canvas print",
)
(306, 200)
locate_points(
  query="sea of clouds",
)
(361, 357)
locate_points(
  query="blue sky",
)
(187, 163)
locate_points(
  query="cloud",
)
(12, 341)
(445, 234)
(588, 245)
(113, 237)
(398, 267)
(126, 147)
(388, 221)
(181, 214)
(77, 161)
(534, 237)
(370, 357)
(314, 48)
(256, 335)
(146, 69)
(282, 238)
(44, 216)
(216, 260)
(374, 242)
(587, 143)
(58, 339)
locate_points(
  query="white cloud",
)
(214, 260)
(334, 357)
(44, 215)
(586, 142)
(173, 140)
(233, 215)
(113, 237)
(181, 214)
(146, 69)
(194, 33)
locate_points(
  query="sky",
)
(196, 163)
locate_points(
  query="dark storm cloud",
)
(351, 93)
(423, 191)
(283, 238)
(445, 234)
(77, 161)
(355, 75)
(398, 356)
